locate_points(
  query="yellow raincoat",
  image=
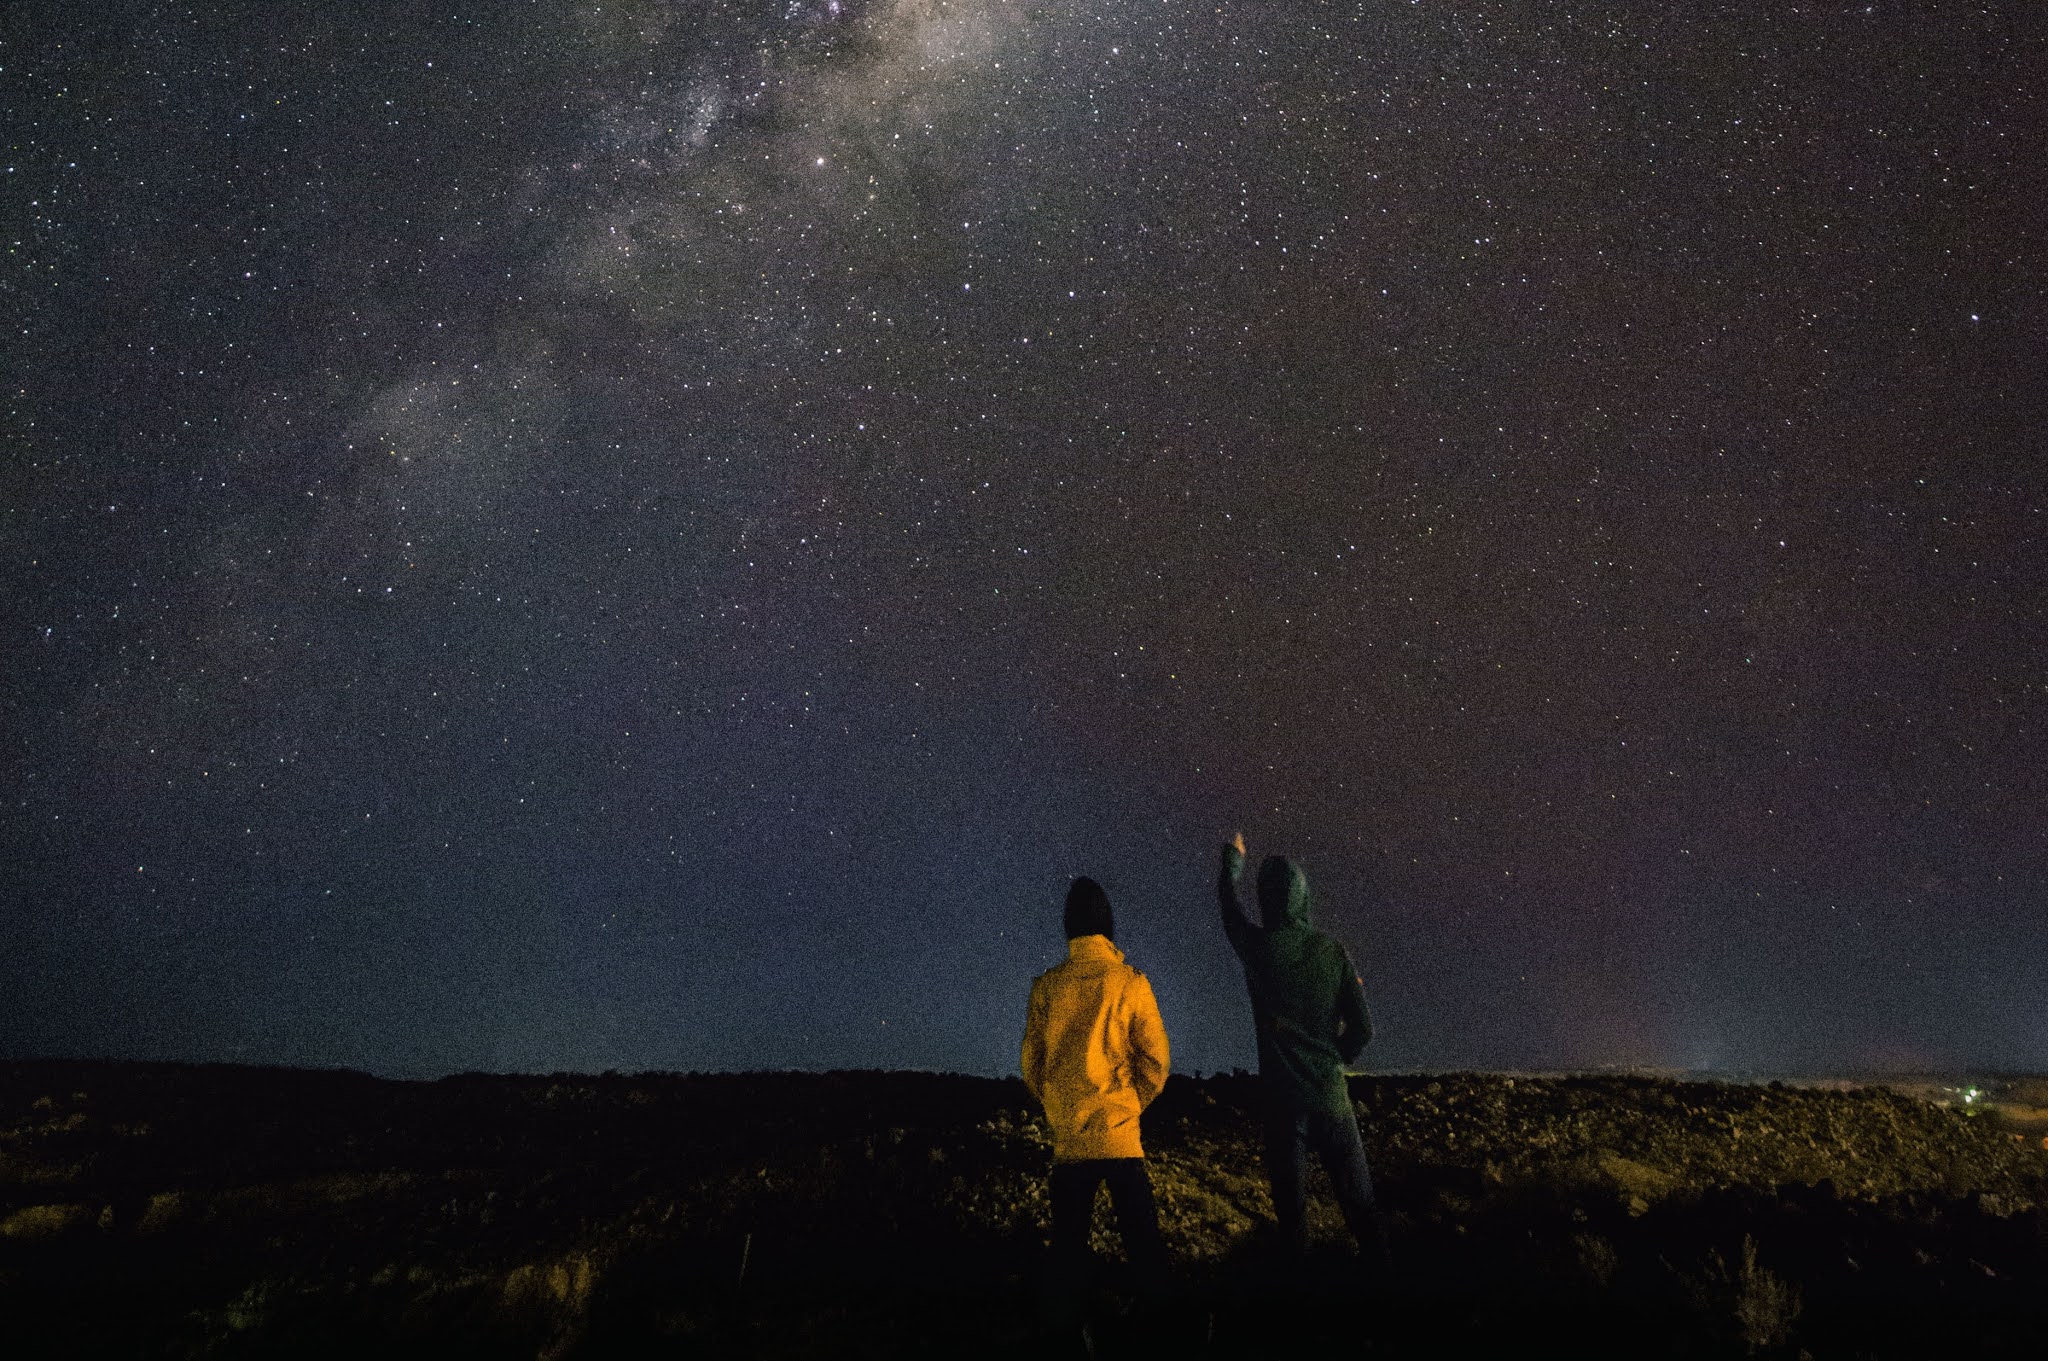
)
(1094, 1051)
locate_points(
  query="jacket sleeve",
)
(1234, 924)
(1033, 1059)
(1151, 1058)
(1354, 1021)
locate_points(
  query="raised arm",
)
(1228, 872)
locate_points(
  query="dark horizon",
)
(1736, 1078)
(642, 536)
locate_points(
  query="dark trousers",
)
(1290, 1135)
(1073, 1216)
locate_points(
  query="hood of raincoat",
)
(1283, 893)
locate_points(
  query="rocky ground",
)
(156, 1210)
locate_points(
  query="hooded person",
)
(1308, 1006)
(1095, 1054)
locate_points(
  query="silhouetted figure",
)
(1095, 1054)
(1309, 1007)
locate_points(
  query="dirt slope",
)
(160, 1210)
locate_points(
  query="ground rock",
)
(43, 1221)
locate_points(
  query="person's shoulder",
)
(1331, 945)
(1136, 986)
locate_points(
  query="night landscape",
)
(578, 581)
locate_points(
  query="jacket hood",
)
(1283, 893)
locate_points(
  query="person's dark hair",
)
(1087, 911)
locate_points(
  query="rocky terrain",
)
(158, 1210)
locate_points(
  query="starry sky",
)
(660, 534)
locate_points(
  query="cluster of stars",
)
(821, 474)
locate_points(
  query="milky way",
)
(660, 535)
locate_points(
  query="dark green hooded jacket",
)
(1306, 998)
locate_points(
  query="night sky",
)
(660, 535)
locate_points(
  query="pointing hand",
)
(1233, 857)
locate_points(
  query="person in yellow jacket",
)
(1095, 1054)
